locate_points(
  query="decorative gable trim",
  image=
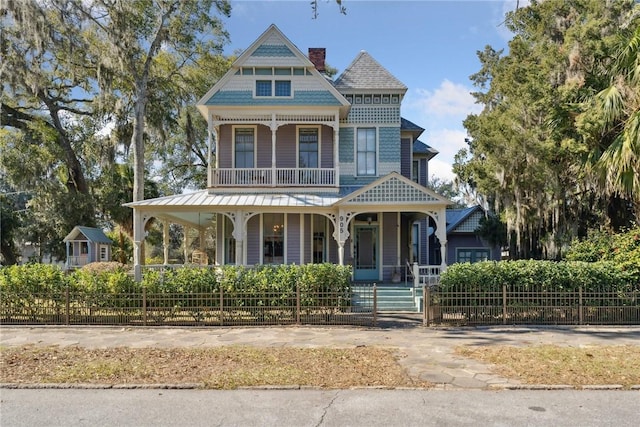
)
(393, 189)
(273, 44)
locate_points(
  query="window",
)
(229, 242)
(84, 248)
(366, 147)
(244, 148)
(270, 87)
(472, 255)
(263, 87)
(308, 148)
(283, 88)
(103, 253)
(319, 223)
(415, 242)
(415, 170)
(273, 238)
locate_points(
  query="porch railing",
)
(421, 275)
(77, 261)
(268, 177)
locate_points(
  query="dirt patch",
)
(551, 364)
(217, 368)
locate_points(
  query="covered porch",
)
(370, 228)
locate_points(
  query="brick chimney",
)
(317, 56)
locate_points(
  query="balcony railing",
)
(268, 177)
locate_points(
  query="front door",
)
(366, 253)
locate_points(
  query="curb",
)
(201, 386)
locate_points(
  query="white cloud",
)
(440, 169)
(448, 142)
(441, 112)
(448, 100)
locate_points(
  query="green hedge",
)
(622, 249)
(111, 285)
(533, 275)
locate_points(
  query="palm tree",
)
(619, 107)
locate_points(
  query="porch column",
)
(336, 150)
(186, 244)
(239, 234)
(274, 129)
(138, 236)
(210, 148)
(68, 262)
(341, 234)
(165, 241)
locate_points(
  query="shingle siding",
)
(272, 50)
(245, 98)
(389, 145)
(346, 145)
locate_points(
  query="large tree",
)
(526, 154)
(71, 67)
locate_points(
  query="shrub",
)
(32, 289)
(532, 275)
(622, 249)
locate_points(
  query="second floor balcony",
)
(274, 177)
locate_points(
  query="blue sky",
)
(429, 45)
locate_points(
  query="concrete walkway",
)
(426, 353)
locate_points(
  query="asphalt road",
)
(78, 407)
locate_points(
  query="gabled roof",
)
(408, 125)
(284, 50)
(367, 73)
(456, 217)
(394, 189)
(94, 235)
(420, 147)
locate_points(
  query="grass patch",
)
(216, 368)
(552, 364)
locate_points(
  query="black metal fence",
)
(536, 307)
(184, 309)
(437, 307)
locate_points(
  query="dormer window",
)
(279, 88)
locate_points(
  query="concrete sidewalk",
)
(426, 353)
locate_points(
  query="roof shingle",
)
(367, 73)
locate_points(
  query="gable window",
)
(283, 87)
(472, 255)
(366, 149)
(273, 238)
(263, 87)
(308, 148)
(267, 88)
(244, 147)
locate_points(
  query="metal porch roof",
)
(205, 199)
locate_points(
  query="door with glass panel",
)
(366, 253)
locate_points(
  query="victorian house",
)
(306, 169)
